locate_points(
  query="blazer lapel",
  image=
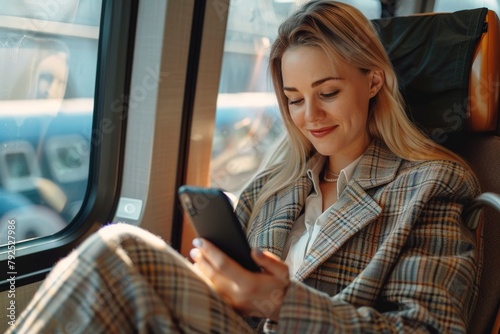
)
(355, 209)
(352, 212)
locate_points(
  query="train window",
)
(66, 68)
(247, 116)
(48, 61)
(450, 6)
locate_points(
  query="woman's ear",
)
(377, 79)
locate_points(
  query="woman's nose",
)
(313, 112)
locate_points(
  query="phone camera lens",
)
(188, 205)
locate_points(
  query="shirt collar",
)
(345, 175)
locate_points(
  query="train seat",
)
(448, 66)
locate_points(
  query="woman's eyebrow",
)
(314, 84)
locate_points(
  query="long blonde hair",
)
(344, 33)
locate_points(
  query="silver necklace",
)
(334, 177)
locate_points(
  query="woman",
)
(356, 222)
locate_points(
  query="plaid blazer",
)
(394, 256)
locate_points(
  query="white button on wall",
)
(129, 208)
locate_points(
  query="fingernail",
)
(197, 242)
(259, 252)
(194, 253)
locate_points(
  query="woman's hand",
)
(251, 294)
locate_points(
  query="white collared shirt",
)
(306, 228)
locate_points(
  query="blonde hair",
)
(343, 32)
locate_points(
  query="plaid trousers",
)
(124, 279)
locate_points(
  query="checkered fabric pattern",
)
(123, 279)
(394, 255)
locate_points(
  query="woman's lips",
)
(318, 133)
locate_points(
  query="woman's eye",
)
(292, 102)
(328, 95)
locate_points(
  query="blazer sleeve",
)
(432, 284)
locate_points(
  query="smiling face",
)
(329, 104)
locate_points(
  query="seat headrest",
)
(484, 81)
(447, 67)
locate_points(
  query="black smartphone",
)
(212, 216)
